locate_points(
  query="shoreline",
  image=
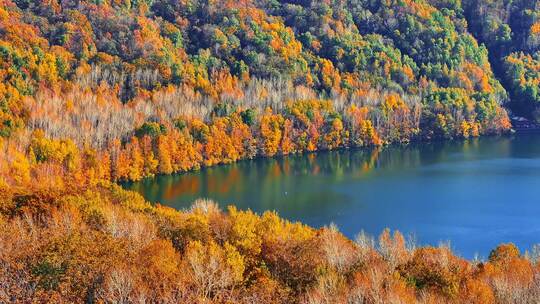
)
(364, 149)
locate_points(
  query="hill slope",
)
(135, 81)
(511, 31)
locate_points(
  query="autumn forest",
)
(97, 92)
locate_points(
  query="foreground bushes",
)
(107, 245)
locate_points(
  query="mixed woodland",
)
(95, 92)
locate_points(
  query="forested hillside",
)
(98, 91)
(164, 86)
(511, 32)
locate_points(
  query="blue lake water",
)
(474, 194)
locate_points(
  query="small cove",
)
(474, 194)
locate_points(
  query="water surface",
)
(474, 194)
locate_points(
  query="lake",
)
(474, 194)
